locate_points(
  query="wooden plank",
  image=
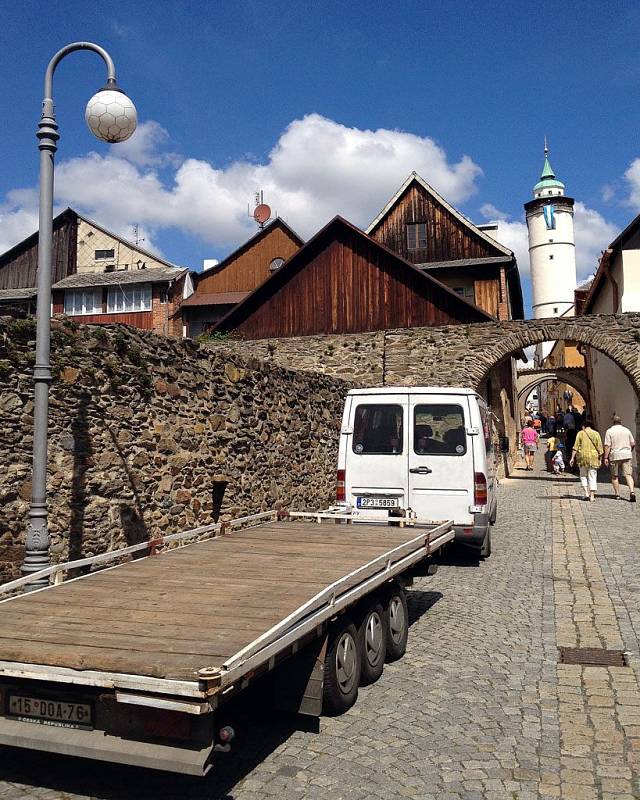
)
(159, 666)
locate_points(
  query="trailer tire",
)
(397, 623)
(372, 642)
(341, 668)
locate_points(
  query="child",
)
(552, 446)
(558, 462)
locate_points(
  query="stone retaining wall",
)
(150, 435)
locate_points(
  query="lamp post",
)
(111, 117)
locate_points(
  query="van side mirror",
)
(504, 444)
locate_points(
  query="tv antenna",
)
(261, 212)
(137, 238)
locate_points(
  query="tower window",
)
(417, 236)
(555, 310)
(551, 240)
(551, 257)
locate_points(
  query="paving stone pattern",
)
(478, 708)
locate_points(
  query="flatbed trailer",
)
(134, 663)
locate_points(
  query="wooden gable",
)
(449, 235)
(18, 266)
(249, 265)
(342, 281)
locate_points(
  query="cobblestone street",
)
(479, 707)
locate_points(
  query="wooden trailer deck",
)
(212, 604)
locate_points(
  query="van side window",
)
(377, 429)
(438, 430)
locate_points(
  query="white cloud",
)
(592, 234)
(317, 169)
(632, 176)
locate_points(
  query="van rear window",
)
(377, 430)
(438, 430)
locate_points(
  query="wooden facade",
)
(451, 248)
(448, 237)
(249, 265)
(343, 281)
(18, 266)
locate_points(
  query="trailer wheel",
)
(372, 642)
(397, 623)
(341, 669)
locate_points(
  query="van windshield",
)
(377, 429)
(438, 429)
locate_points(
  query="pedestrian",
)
(551, 425)
(543, 420)
(552, 446)
(587, 453)
(558, 462)
(529, 439)
(618, 449)
(569, 425)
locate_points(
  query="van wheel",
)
(341, 668)
(397, 623)
(372, 642)
(485, 550)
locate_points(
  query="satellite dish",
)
(262, 213)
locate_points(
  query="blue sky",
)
(327, 106)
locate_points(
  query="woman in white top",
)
(618, 450)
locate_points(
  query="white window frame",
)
(83, 302)
(129, 298)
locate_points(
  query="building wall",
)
(630, 288)
(91, 239)
(250, 268)
(18, 267)
(151, 436)
(163, 318)
(610, 388)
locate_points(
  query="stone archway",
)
(528, 379)
(464, 355)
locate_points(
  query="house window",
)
(276, 264)
(464, 291)
(83, 301)
(125, 299)
(104, 255)
(164, 296)
(417, 236)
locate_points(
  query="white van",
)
(423, 452)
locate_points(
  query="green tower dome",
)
(548, 178)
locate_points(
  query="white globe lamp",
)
(111, 116)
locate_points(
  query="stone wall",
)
(150, 435)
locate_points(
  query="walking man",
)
(618, 449)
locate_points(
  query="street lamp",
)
(111, 116)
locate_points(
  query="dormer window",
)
(417, 236)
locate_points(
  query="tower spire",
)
(547, 169)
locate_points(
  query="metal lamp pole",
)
(111, 116)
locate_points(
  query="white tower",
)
(552, 251)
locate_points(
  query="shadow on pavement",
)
(457, 555)
(420, 602)
(259, 731)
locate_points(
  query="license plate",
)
(377, 502)
(44, 711)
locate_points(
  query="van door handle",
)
(421, 470)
